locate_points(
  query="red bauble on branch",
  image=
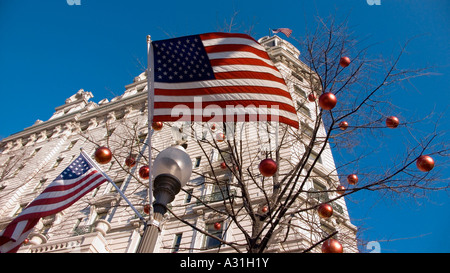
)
(220, 137)
(340, 189)
(223, 165)
(425, 163)
(392, 122)
(268, 167)
(327, 101)
(103, 155)
(147, 209)
(344, 61)
(312, 97)
(213, 127)
(352, 179)
(144, 172)
(157, 126)
(130, 161)
(332, 246)
(264, 209)
(343, 125)
(325, 211)
(217, 226)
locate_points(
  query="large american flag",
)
(74, 182)
(220, 69)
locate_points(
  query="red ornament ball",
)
(332, 246)
(352, 179)
(130, 161)
(343, 125)
(392, 122)
(26, 241)
(340, 189)
(103, 155)
(220, 137)
(213, 127)
(223, 165)
(268, 167)
(327, 101)
(144, 172)
(147, 209)
(344, 61)
(264, 209)
(157, 126)
(425, 163)
(325, 211)
(312, 97)
(217, 226)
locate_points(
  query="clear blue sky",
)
(49, 50)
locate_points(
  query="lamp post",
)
(172, 169)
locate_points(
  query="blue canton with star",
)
(77, 168)
(181, 59)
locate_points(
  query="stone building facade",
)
(102, 222)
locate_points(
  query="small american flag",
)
(222, 70)
(285, 31)
(74, 182)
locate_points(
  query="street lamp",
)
(172, 169)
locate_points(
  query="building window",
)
(142, 138)
(35, 152)
(307, 130)
(95, 191)
(40, 184)
(18, 170)
(211, 242)
(319, 192)
(111, 165)
(8, 161)
(327, 230)
(45, 229)
(297, 76)
(302, 108)
(101, 216)
(197, 161)
(313, 157)
(220, 193)
(118, 184)
(214, 155)
(109, 132)
(58, 161)
(188, 196)
(177, 242)
(18, 211)
(300, 91)
(71, 145)
(80, 228)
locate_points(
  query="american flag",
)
(222, 70)
(285, 31)
(74, 182)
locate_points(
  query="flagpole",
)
(151, 229)
(150, 103)
(97, 167)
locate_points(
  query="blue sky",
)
(49, 50)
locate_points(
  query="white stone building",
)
(102, 222)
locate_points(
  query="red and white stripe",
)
(59, 195)
(245, 76)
